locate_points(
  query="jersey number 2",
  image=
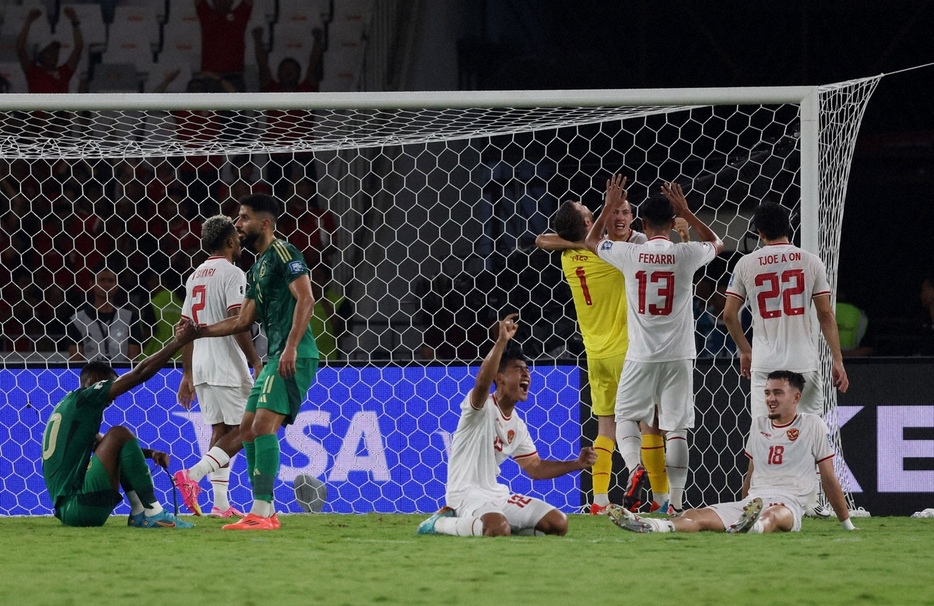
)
(787, 286)
(197, 302)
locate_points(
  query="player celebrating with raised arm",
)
(782, 282)
(216, 370)
(84, 469)
(598, 291)
(278, 294)
(489, 431)
(658, 374)
(783, 447)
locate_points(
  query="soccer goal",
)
(417, 213)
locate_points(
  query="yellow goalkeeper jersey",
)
(599, 291)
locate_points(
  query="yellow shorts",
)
(603, 376)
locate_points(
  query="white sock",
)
(660, 497)
(220, 480)
(154, 510)
(676, 464)
(460, 527)
(136, 506)
(530, 532)
(263, 509)
(660, 525)
(629, 443)
(601, 499)
(757, 528)
(209, 463)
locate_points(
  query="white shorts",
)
(222, 404)
(730, 512)
(812, 398)
(522, 512)
(670, 384)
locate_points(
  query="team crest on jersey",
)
(297, 267)
(607, 245)
(510, 435)
(792, 434)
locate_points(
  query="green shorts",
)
(282, 396)
(95, 502)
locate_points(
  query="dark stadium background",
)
(887, 244)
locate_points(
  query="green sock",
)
(135, 471)
(267, 466)
(249, 449)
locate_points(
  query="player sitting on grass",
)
(84, 469)
(489, 431)
(783, 448)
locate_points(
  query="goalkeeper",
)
(84, 469)
(599, 295)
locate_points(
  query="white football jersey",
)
(484, 438)
(784, 456)
(779, 281)
(659, 292)
(212, 290)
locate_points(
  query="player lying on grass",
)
(84, 469)
(782, 448)
(489, 431)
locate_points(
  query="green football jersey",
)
(69, 437)
(268, 285)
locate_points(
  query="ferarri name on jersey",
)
(656, 258)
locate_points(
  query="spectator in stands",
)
(102, 329)
(305, 224)
(44, 73)
(223, 38)
(289, 125)
(330, 315)
(926, 347)
(456, 317)
(164, 308)
(711, 335)
(852, 324)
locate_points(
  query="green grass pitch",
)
(378, 559)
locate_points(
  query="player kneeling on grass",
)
(84, 469)
(782, 448)
(488, 432)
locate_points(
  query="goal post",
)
(420, 210)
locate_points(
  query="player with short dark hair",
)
(489, 431)
(782, 283)
(599, 295)
(84, 469)
(279, 296)
(657, 383)
(782, 448)
(216, 371)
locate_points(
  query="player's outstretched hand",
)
(508, 327)
(675, 195)
(615, 192)
(745, 364)
(160, 458)
(587, 457)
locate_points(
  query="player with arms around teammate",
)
(658, 375)
(489, 431)
(783, 447)
(782, 282)
(216, 370)
(84, 469)
(598, 291)
(278, 294)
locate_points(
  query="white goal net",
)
(417, 214)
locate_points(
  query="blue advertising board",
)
(376, 436)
